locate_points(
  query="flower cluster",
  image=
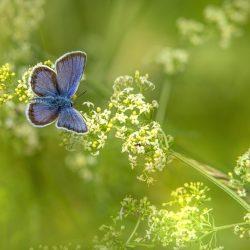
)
(241, 175)
(129, 115)
(18, 19)
(22, 91)
(185, 225)
(242, 168)
(187, 221)
(216, 15)
(172, 60)
(99, 125)
(6, 77)
(193, 193)
(243, 230)
(209, 247)
(111, 238)
(80, 163)
(226, 19)
(141, 208)
(113, 235)
(237, 11)
(191, 30)
(147, 145)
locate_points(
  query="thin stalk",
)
(163, 102)
(195, 165)
(230, 226)
(134, 231)
(220, 228)
(138, 244)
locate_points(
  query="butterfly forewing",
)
(70, 68)
(43, 81)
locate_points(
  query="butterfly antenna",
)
(77, 97)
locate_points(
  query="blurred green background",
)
(42, 201)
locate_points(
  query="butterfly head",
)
(62, 102)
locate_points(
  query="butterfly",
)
(54, 91)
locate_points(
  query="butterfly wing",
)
(43, 81)
(70, 68)
(41, 114)
(70, 119)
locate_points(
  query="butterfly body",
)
(54, 90)
(58, 102)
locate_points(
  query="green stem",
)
(163, 102)
(134, 231)
(138, 244)
(195, 165)
(230, 226)
(216, 229)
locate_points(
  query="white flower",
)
(191, 30)
(121, 117)
(173, 60)
(89, 104)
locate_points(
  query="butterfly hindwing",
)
(41, 114)
(70, 68)
(71, 119)
(43, 81)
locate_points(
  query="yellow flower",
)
(6, 78)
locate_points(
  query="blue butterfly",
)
(54, 90)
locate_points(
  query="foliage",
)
(135, 118)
